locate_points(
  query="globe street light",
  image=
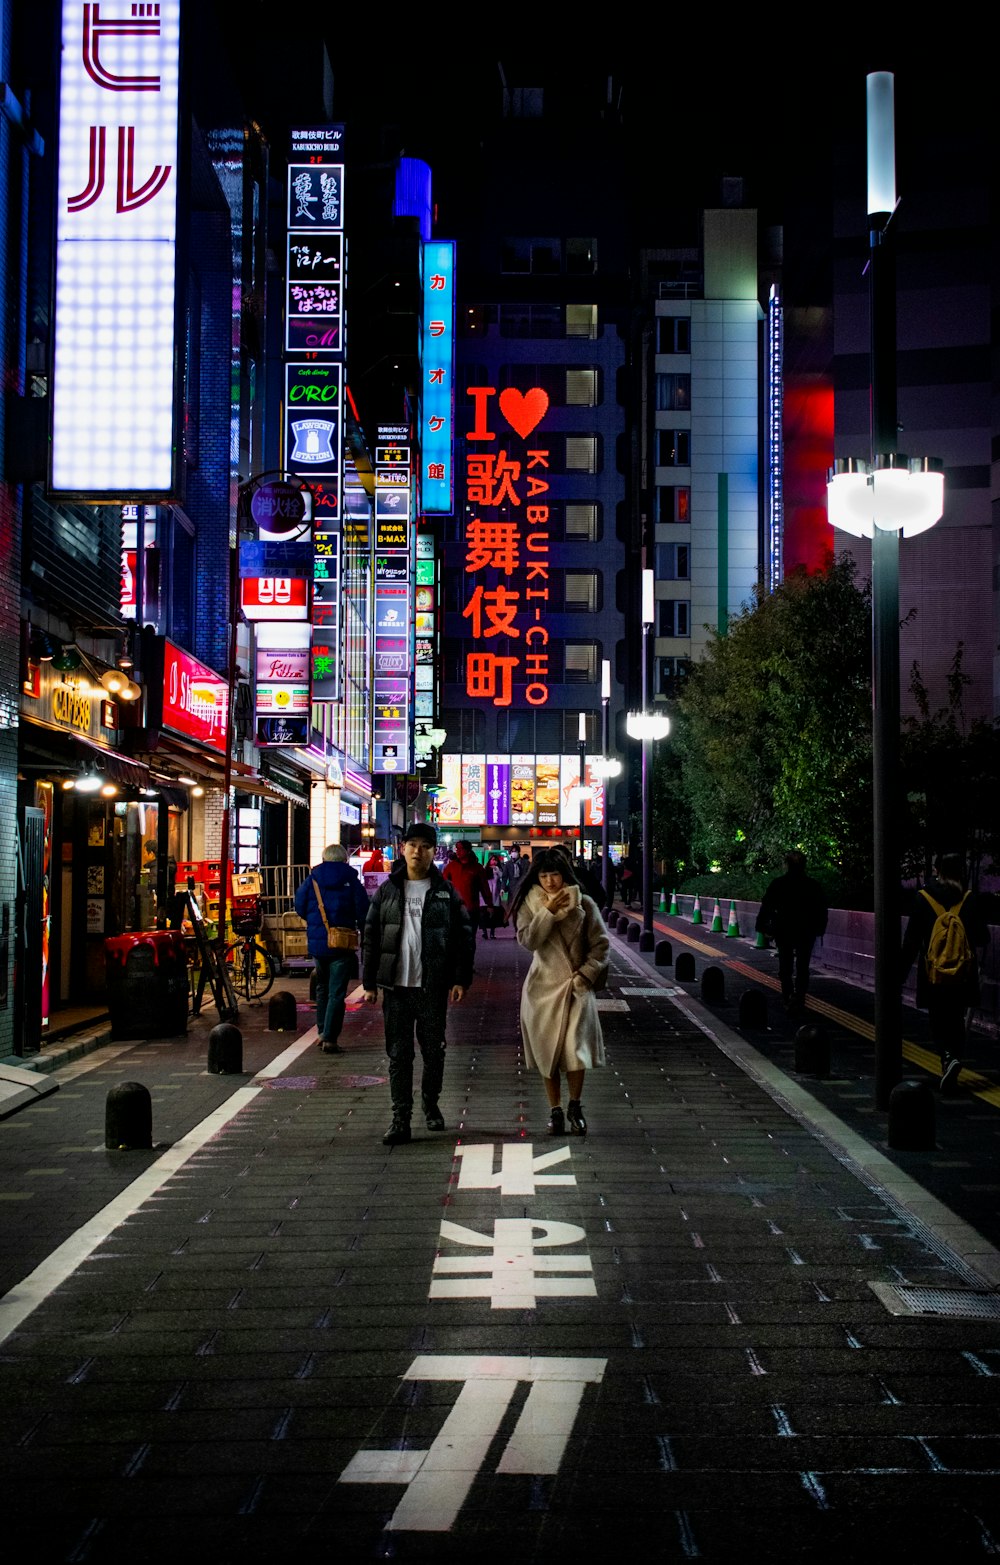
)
(881, 498)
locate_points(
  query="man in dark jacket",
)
(419, 950)
(345, 905)
(794, 912)
(947, 1004)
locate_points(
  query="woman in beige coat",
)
(560, 1026)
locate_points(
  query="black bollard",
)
(633, 933)
(713, 985)
(622, 925)
(281, 1012)
(684, 968)
(753, 1008)
(812, 1050)
(911, 1117)
(225, 1050)
(128, 1118)
(663, 955)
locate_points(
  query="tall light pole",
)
(581, 735)
(609, 887)
(647, 725)
(888, 495)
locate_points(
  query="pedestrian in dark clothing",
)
(946, 998)
(345, 905)
(419, 950)
(471, 881)
(588, 882)
(794, 914)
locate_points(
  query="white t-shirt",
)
(410, 973)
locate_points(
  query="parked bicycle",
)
(251, 966)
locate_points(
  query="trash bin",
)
(148, 991)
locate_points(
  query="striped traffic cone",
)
(673, 902)
(696, 917)
(663, 901)
(717, 919)
(733, 927)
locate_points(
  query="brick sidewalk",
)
(477, 1347)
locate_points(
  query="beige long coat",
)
(559, 1021)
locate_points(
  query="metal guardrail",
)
(279, 884)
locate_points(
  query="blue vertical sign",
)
(437, 379)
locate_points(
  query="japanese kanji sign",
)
(506, 565)
(114, 377)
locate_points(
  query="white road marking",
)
(512, 1266)
(520, 1170)
(29, 1293)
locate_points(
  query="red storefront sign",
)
(195, 698)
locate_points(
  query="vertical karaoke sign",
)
(314, 375)
(393, 677)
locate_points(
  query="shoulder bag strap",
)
(322, 909)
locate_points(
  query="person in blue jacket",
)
(345, 903)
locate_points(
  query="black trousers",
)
(425, 1012)
(793, 967)
(947, 1013)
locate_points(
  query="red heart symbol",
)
(524, 410)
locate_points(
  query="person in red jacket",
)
(471, 881)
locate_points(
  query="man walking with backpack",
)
(945, 930)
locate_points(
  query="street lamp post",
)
(888, 495)
(581, 734)
(609, 888)
(646, 726)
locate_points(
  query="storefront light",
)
(88, 782)
(197, 792)
(108, 790)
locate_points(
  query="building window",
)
(581, 258)
(475, 320)
(581, 453)
(673, 562)
(673, 334)
(673, 448)
(671, 674)
(543, 256)
(581, 591)
(673, 392)
(675, 617)
(581, 523)
(581, 388)
(466, 730)
(580, 662)
(673, 504)
(531, 320)
(581, 320)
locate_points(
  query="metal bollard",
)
(225, 1050)
(663, 955)
(713, 985)
(684, 968)
(911, 1117)
(128, 1118)
(812, 1050)
(281, 1012)
(753, 1008)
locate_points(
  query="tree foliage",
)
(771, 747)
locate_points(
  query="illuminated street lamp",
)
(647, 726)
(882, 498)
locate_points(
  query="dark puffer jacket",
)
(447, 946)
(344, 899)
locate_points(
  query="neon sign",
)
(437, 374)
(507, 547)
(114, 373)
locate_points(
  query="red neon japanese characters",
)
(507, 548)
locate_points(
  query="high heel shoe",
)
(574, 1113)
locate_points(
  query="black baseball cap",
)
(421, 832)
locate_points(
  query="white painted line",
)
(27, 1295)
(612, 1005)
(383, 1467)
(434, 1497)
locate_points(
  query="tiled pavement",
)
(304, 1345)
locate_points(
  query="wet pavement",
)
(700, 1332)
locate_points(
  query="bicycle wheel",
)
(258, 970)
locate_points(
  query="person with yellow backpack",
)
(949, 934)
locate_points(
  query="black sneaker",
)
(557, 1125)
(435, 1119)
(398, 1133)
(951, 1070)
(574, 1113)
(331, 1048)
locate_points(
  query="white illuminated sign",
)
(113, 377)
